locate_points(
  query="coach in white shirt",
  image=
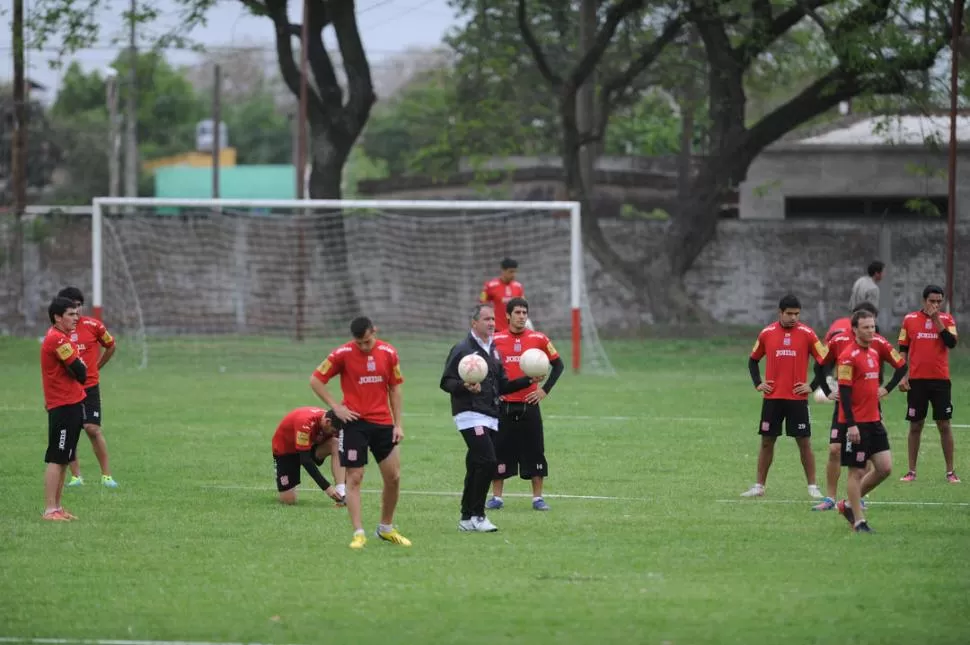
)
(866, 288)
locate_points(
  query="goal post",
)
(533, 234)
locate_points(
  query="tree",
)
(868, 47)
(43, 148)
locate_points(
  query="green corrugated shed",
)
(235, 182)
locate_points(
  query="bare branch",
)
(318, 59)
(760, 40)
(614, 15)
(361, 97)
(530, 41)
(648, 54)
(276, 9)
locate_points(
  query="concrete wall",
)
(213, 275)
(795, 170)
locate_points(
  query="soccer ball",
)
(534, 362)
(472, 369)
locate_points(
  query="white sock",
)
(359, 531)
(342, 490)
(497, 498)
(536, 499)
(385, 528)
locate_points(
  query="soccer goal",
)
(275, 271)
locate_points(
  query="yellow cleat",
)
(394, 537)
(360, 539)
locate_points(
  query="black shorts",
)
(873, 440)
(519, 443)
(837, 430)
(924, 391)
(92, 405)
(63, 429)
(357, 436)
(793, 412)
(287, 471)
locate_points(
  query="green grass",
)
(194, 546)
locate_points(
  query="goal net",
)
(263, 274)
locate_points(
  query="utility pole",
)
(114, 140)
(18, 162)
(216, 128)
(585, 96)
(131, 116)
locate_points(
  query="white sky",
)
(387, 27)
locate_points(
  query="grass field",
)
(647, 540)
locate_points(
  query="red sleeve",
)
(330, 367)
(483, 297)
(846, 370)
(304, 433)
(904, 334)
(758, 351)
(888, 353)
(549, 348)
(396, 377)
(950, 323)
(819, 350)
(61, 347)
(105, 339)
(830, 358)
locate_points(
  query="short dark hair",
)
(360, 325)
(516, 302)
(509, 263)
(335, 421)
(477, 310)
(876, 266)
(72, 293)
(932, 288)
(866, 306)
(789, 301)
(58, 306)
(860, 314)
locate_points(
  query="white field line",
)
(100, 641)
(608, 498)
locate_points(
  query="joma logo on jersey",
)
(364, 380)
(785, 352)
(872, 375)
(927, 336)
(512, 359)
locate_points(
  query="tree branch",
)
(530, 41)
(361, 97)
(276, 10)
(648, 54)
(614, 15)
(318, 59)
(760, 40)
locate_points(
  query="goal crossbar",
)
(573, 208)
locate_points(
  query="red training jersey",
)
(60, 387)
(90, 336)
(299, 431)
(499, 293)
(365, 378)
(840, 342)
(929, 358)
(839, 326)
(510, 347)
(787, 351)
(859, 369)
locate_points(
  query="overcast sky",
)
(387, 27)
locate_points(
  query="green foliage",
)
(359, 167)
(258, 130)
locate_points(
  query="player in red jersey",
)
(305, 438)
(62, 375)
(91, 336)
(498, 291)
(787, 345)
(865, 438)
(370, 380)
(838, 339)
(519, 442)
(927, 336)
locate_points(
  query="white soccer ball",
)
(820, 396)
(534, 362)
(472, 369)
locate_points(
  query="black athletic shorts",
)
(92, 405)
(873, 440)
(357, 436)
(925, 391)
(287, 471)
(793, 412)
(63, 430)
(837, 430)
(519, 442)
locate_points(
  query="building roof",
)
(893, 130)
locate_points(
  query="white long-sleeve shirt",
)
(865, 289)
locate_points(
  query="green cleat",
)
(75, 482)
(108, 481)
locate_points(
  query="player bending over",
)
(306, 437)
